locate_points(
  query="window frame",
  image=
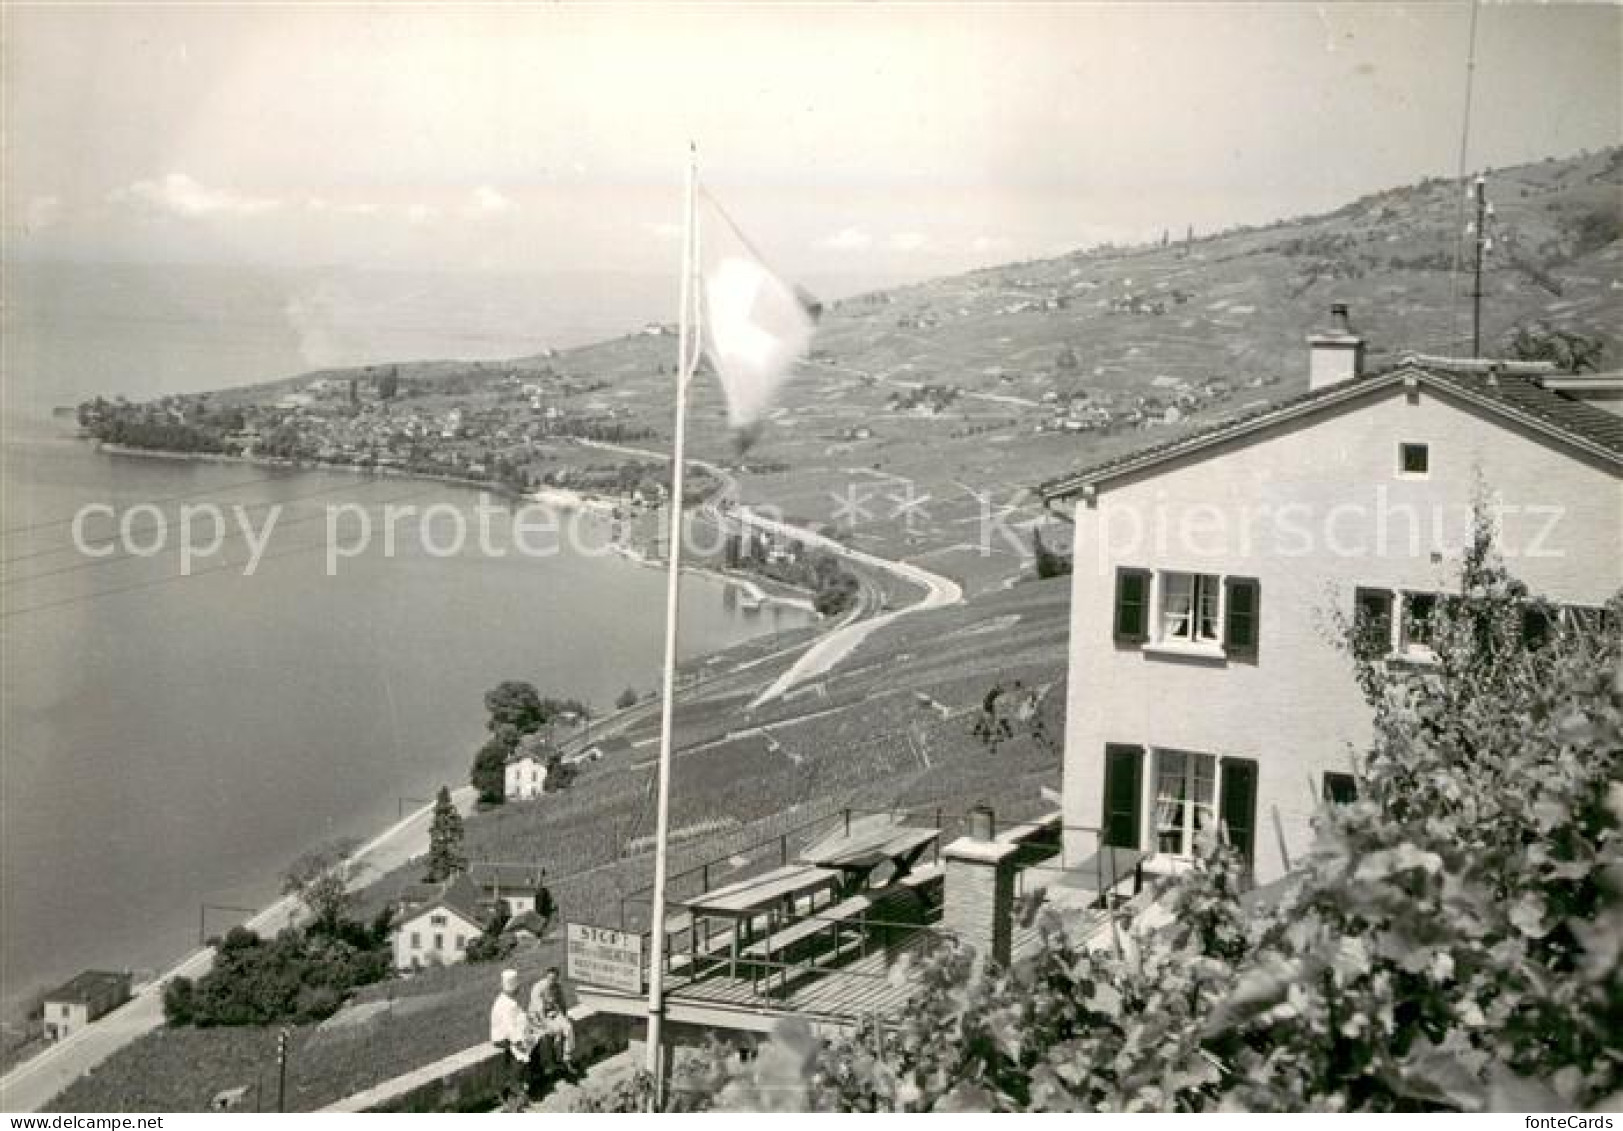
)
(1189, 825)
(1333, 782)
(1206, 606)
(1409, 644)
(1407, 448)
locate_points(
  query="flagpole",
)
(686, 358)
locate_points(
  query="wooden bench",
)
(907, 903)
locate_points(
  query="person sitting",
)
(510, 1031)
(549, 1016)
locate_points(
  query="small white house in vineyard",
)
(436, 929)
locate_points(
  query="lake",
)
(168, 741)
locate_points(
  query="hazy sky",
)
(884, 139)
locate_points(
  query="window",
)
(1419, 621)
(439, 941)
(1372, 623)
(1132, 604)
(1414, 459)
(1185, 789)
(1189, 608)
(437, 920)
(416, 940)
(1202, 614)
(1340, 789)
(1240, 616)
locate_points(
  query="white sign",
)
(599, 956)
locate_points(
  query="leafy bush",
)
(296, 976)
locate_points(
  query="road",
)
(30, 1085)
(829, 650)
(836, 645)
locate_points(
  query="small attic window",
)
(1414, 459)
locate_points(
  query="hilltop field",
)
(920, 407)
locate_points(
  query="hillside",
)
(964, 384)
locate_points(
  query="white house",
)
(1210, 574)
(437, 932)
(511, 885)
(525, 775)
(89, 995)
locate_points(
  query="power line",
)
(149, 527)
(126, 555)
(42, 525)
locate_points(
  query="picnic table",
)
(858, 855)
(769, 895)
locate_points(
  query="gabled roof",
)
(508, 877)
(459, 895)
(1514, 394)
(91, 987)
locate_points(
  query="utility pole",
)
(1483, 243)
(281, 1070)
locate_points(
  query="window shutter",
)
(1244, 616)
(1124, 770)
(1132, 605)
(1238, 805)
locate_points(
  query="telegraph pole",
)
(1483, 243)
(281, 1070)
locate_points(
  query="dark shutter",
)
(1124, 768)
(1243, 614)
(1238, 805)
(1132, 605)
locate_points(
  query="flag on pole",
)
(756, 326)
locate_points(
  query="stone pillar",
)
(978, 903)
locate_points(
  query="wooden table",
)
(857, 856)
(769, 894)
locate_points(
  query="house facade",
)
(89, 995)
(437, 932)
(525, 775)
(1214, 578)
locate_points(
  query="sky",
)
(874, 140)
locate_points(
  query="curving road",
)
(829, 650)
(32, 1084)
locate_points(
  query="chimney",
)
(1336, 354)
(978, 898)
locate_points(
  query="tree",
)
(489, 775)
(516, 704)
(1570, 351)
(445, 855)
(320, 880)
(627, 698)
(1450, 942)
(389, 384)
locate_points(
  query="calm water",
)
(171, 741)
